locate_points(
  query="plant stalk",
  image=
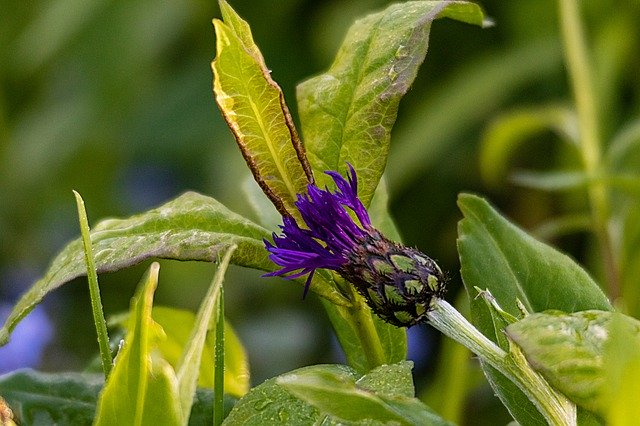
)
(218, 386)
(556, 408)
(94, 290)
(579, 68)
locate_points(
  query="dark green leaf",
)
(46, 399)
(497, 256)
(191, 227)
(69, 399)
(347, 113)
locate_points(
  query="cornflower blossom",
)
(397, 282)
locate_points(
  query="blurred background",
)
(113, 98)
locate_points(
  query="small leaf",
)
(191, 227)
(347, 113)
(254, 108)
(496, 255)
(142, 388)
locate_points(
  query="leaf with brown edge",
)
(254, 108)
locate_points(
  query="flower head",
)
(398, 282)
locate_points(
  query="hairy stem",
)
(556, 409)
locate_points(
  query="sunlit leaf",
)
(254, 108)
(177, 324)
(142, 388)
(347, 113)
(191, 227)
(621, 404)
(567, 349)
(188, 367)
(590, 356)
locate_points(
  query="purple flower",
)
(398, 282)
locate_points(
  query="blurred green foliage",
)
(113, 99)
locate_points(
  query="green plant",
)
(533, 308)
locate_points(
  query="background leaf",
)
(177, 324)
(497, 256)
(347, 113)
(191, 227)
(254, 108)
(506, 133)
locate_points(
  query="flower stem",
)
(368, 335)
(579, 67)
(556, 409)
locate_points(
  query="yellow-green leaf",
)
(254, 108)
(142, 388)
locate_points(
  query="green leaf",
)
(566, 349)
(188, 368)
(621, 404)
(386, 393)
(70, 398)
(45, 399)
(496, 255)
(590, 356)
(347, 113)
(191, 227)
(254, 108)
(177, 324)
(369, 399)
(509, 131)
(142, 388)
